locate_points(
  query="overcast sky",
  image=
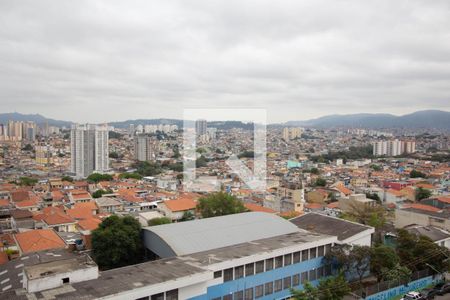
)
(99, 61)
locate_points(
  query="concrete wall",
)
(50, 282)
(404, 218)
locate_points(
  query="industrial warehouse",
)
(251, 255)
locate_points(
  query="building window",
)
(259, 291)
(66, 280)
(227, 297)
(296, 280)
(143, 298)
(278, 286)
(312, 275)
(320, 272)
(287, 259)
(249, 294)
(228, 275)
(304, 277)
(268, 288)
(249, 269)
(172, 295)
(259, 267)
(296, 257)
(305, 255)
(218, 274)
(327, 248)
(238, 295)
(278, 262)
(321, 251)
(159, 296)
(269, 264)
(287, 283)
(238, 272)
(312, 253)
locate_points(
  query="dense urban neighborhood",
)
(96, 211)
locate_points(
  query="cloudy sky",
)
(97, 61)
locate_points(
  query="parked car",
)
(413, 296)
(429, 293)
(442, 288)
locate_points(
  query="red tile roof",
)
(180, 204)
(26, 203)
(259, 208)
(422, 207)
(445, 199)
(343, 189)
(313, 205)
(39, 240)
(80, 213)
(89, 224)
(20, 195)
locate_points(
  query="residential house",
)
(38, 240)
(108, 205)
(422, 214)
(176, 208)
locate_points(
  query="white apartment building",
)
(290, 133)
(393, 147)
(89, 148)
(145, 148)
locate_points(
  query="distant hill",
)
(421, 119)
(38, 119)
(426, 119)
(217, 124)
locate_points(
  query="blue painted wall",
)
(243, 283)
(403, 289)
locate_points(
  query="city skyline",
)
(300, 61)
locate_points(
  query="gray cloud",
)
(114, 60)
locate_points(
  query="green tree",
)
(382, 258)
(99, 193)
(420, 252)
(397, 272)
(67, 178)
(354, 259)
(201, 162)
(246, 154)
(187, 216)
(331, 288)
(27, 147)
(177, 167)
(147, 168)
(376, 167)
(315, 171)
(97, 177)
(114, 135)
(27, 181)
(219, 204)
(117, 242)
(159, 221)
(374, 216)
(320, 182)
(130, 176)
(417, 174)
(373, 196)
(422, 193)
(114, 155)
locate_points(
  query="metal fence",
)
(386, 285)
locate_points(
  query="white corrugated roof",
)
(212, 233)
